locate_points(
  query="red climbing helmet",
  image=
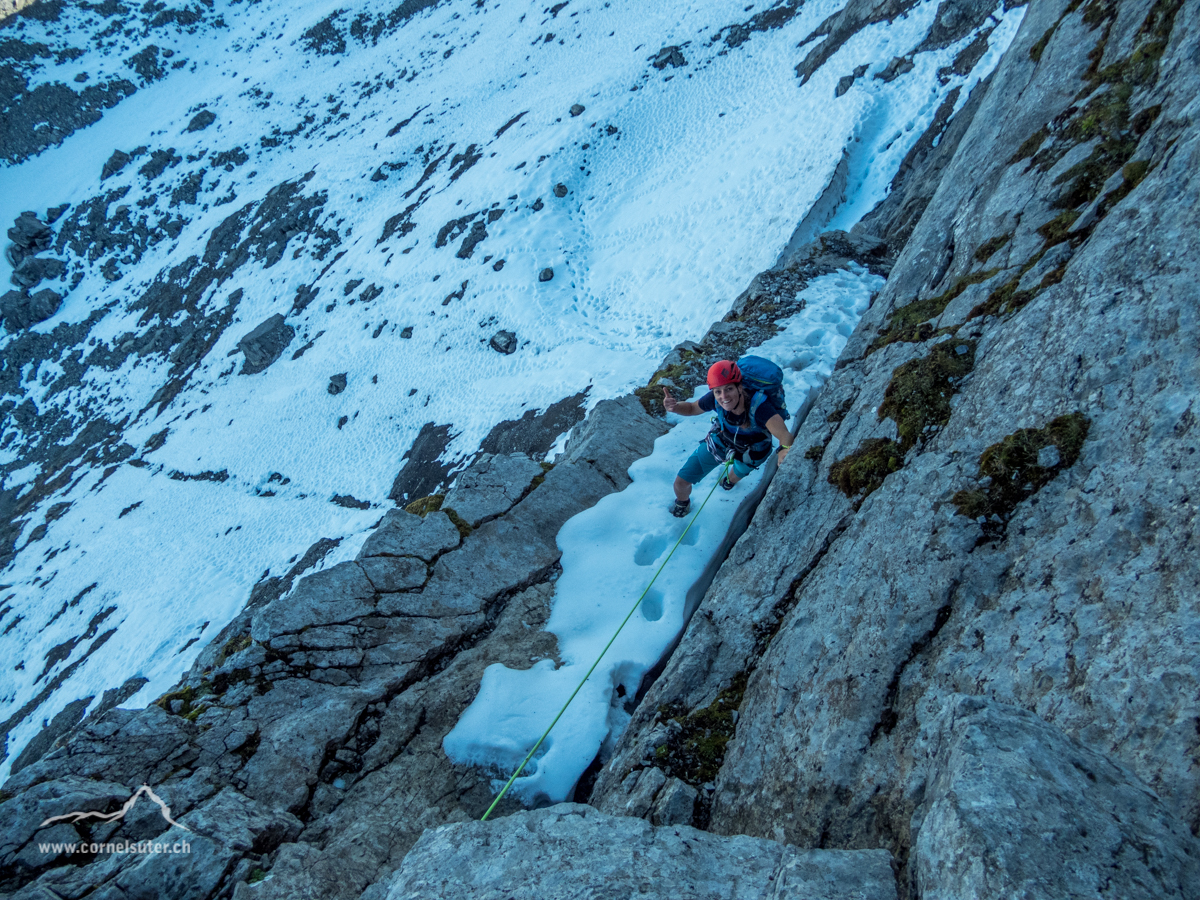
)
(724, 371)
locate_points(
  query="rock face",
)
(1020, 528)
(572, 851)
(1009, 800)
(492, 485)
(306, 741)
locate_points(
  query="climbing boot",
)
(681, 507)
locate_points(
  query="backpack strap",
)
(738, 430)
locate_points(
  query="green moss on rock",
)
(919, 393)
(988, 248)
(234, 645)
(912, 323)
(695, 751)
(189, 697)
(423, 506)
(863, 471)
(1015, 468)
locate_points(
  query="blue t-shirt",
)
(738, 432)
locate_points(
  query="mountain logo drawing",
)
(73, 817)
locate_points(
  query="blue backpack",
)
(760, 374)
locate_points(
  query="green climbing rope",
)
(546, 733)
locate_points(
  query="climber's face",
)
(729, 396)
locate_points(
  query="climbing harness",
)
(546, 733)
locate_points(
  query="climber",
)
(749, 412)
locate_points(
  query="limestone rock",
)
(491, 485)
(389, 574)
(1015, 808)
(570, 851)
(333, 595)
(405, 534)
(242, 824)
(676, 804)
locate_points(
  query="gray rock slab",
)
(571, 851)
(405, 534)
(21, 817)
(1015, 808)
(340, 593)
(297, 720)
(490, 486)
(241, 824)
(614, 435)
(394, 573)
(172, 875)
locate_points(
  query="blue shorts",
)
(701, 462)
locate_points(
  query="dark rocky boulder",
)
(19, 310)
(265, 344)
(201, 120)
(669, 56)
(118, 161)
(504, 342)
(29, 235)
(35, 269)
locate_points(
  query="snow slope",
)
(681, 184)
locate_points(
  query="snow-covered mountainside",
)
(291, 242)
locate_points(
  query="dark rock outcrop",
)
(19, 310)
(265, 344)
(29, 235)
(35, 269)
(504, 342)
